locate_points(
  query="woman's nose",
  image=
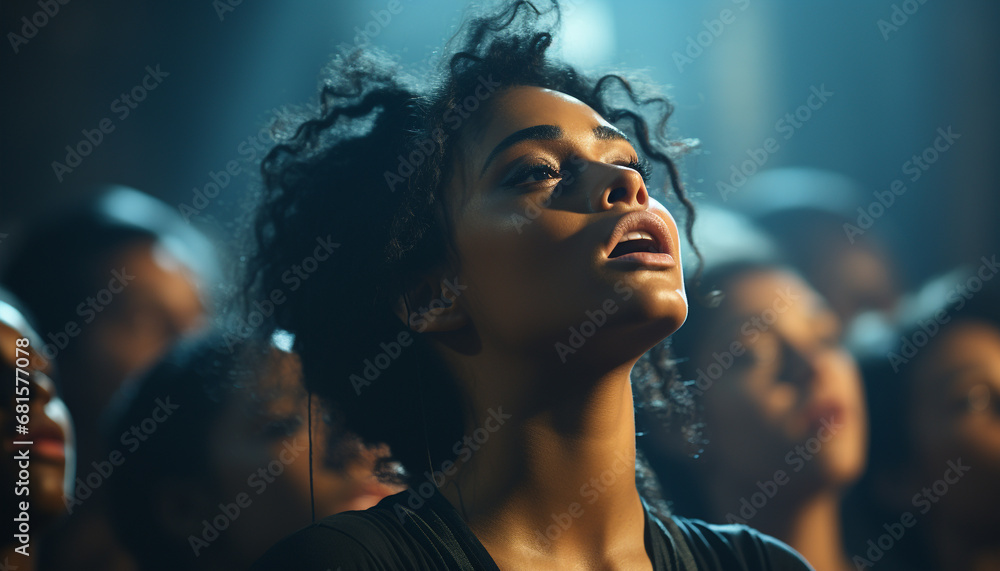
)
(800, 367)
(615, 185)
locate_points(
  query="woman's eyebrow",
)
(536, 133)
(954, 374)
(609, 133)
(548, 133)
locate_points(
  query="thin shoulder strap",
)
(679, 540)
(443, 533)
(469, 551)
(676, 537)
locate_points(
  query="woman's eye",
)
(978, 399)
(745, 360)
(281, 427)
(642, 167)
(532, 174)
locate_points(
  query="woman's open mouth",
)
(641, 238)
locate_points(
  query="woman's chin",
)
(631, 341)
(659, 315)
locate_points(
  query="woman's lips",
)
(652, 224)
(47, 442)
(653, 259)
(42, 449)
(49, 448)
(825, 415)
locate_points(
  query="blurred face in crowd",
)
(956, 416)
(855, 279)
(260, 447)
(789, 397)
(158, 303)
(49, 427)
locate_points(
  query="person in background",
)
(812, 214)
(48, 429)
(930, 500)
(226, 472)
(113, 283)
(856, 274)
(784, 429)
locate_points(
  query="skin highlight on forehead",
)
(517, 114)
(524, 107)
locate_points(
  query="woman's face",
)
(48, 425)
(259, 447)
(786, 396)
(158, 303)
(956, 416)
(541, 183)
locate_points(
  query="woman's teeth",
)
(636, 236)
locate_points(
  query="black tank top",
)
(404, 532)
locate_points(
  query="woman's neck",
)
(813, 529)
(556, 484)
(809, 522)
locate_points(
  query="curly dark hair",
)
(347, 158)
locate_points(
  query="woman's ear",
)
(432, 304)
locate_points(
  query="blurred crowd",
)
(843, 409)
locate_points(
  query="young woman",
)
(119, 282)
(112, 282)
(50, 434)
(768, 360)
(226, 473)
(929, 499)
(471, 274)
